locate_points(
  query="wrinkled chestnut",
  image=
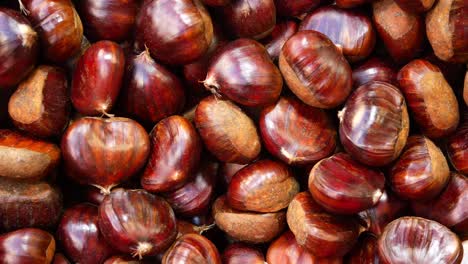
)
(238, 253)
(192, 248)
(415, 6)
(374, 69)
(280, 34)
(457, 147)
(290, 8)
(28, 245)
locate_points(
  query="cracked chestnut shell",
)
(192, 248)
(28, 245)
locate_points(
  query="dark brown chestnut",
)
(18, 47)
(80, 237)
(104, 151)
(228, 170)
(315, 70)
(350, 30)
(423, 85)
(297, 133)
(259, 81)
(175, 32)
(192, 248)
(26, 158)
(41, 105)
(323, 234)
(216, 2)
(465, 89)
(238, 253)
(294, 8)
(419, 241)
(374, 69)
(457, 147)
(415, 6)
(280, 34)
(374, 124)
(28, 245)
(421, 172)
(365, 251)
(351, 3)
(137, 222)
(125, 260)
(248, 227)
(59, 258)
(218, 122)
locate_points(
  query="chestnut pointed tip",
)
(105, 190)
(212, 86)
(143, 248)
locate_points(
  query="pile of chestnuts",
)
(234, 131)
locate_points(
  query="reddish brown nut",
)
(59, 258)
(415, 6)
(239, 253)
(28, 245)
(350, 3)
(192, 248)
(465, 89)
(295, 8)
(374, 69)
(228, 170)
(457, 147)
(365, 251)
(280, 34)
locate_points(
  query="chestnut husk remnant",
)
(28, 245)
(238, 253)
(457, 147)
(192, 248)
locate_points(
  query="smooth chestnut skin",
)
(137, 222)
(365, 251)
(25, 204)
(289, 8)
(351, 3)
(264, 186)
(421, 172)
(449, 208)
(175, 153)
(374, 69)
(418, 240)
(108, 19)
(315, 70)
(218, 122)
(97, 78)
(465, 89)
(41, 104)
(192, 248)
(323, 234)
(401, 32)
(281, 33)
(445, 28)
(215, 2)
(175, 32)
(26, 158)
(104, 151)
(18, 47)
(258, 83)
(228, 170)
(296, 133)
(247, 227)
(350, 30)
(80, 237)
(423, 85)
(58, 25)
(239, 253)
(124, 260)
(374, 124)
(344, 186)
(28, 245)
(60, 259)
(415, 6)
(457, 148)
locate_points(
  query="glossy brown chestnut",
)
(192, 248)
(41, 105)
(344, 186)
(374, 69)
(247, 226)
(296, 133)
(137, 222)
(294, 8)
(25, 204)
(446, 30)
(350, 30)
(218, 122)
(315, 70)
(258, 83)
(465, 89)
(80, 237)
(457, 147)
(59, 258)
(365, 251)
(401, 32)
(124, 260)
(351, 3)
(264, 186)
(184, 227)
(228, 170)
(280, 34)
(97, 78)
(421, 172)
(216, 2)
(175, 153)
(18, 47)
(28, 245)
(415, 6)
(26, 158)
(418, 240)
(423, 85)
(374, 124)
(323, 234)
(239, 253)
(59, 27)
(449, 208)
(104, 151)
(175, 32)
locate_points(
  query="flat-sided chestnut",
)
(258, 83)
(415, 6)
(26, 158)
(419, 241)
(350, 30)
(28, 245)
(315, 70)
(374, 69)
(457, 147)
(247, 226)
(294, 8)
(323, 234)
(218, 122)
(297, 133)
(365, 251)
(192, 248)
(280, 34)
(238, 253)
(374, 124)
(423, 85)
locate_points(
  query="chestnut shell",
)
(192, 248)
(457, 147)
(28, 245)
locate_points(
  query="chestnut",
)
(416, 6)
(374, 69)
(218, 122)
(457, 148)
(297, 133)
(423, 84)
(228, 170)
(365, 251)
(192, 248)
(421, 172)
(418, 240)
(465, 89)
(124, 260)
(59, 258)
(28, 245)
(350, 30)
(315, 70)
(238, 253)
(175, 31)
(258, 83)
(323, 234)
(280, 34)
(216, 2)
(374, 124)
(351, 3)
(248, 227)
(294, 8)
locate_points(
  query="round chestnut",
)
(280, 34)
(228, 170)
(294, 8)
(28, 245)
(192, 248)
(457, 147)
(415, 6)
(374, 69)
(238, 253)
